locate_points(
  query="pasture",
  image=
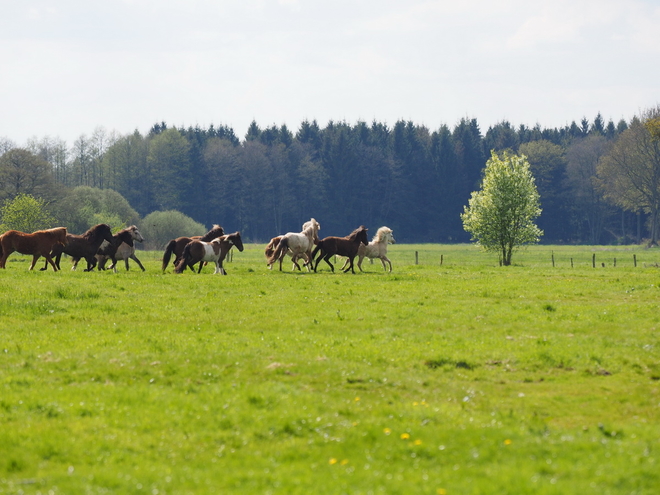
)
(455, 378)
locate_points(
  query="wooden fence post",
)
(416, 258)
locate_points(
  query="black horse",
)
(82, 246)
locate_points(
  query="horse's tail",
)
(168, 253)
(280, 251)
(183, 262)
(271, 247)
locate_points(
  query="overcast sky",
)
(68, 67)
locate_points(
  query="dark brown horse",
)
(82, 246)
(176, 246)
(343, 246)
(109, 250)
(199, 252)
(39, 243)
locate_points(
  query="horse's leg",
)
(327, 260)
(345, 263)
(359, 263)
(201, 265)
(135, 258)
(350, 266)
(50, 260)
(126, 261)
(34, 260)
(386, 259)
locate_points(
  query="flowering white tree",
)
(501, 215)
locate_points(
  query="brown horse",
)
(199, 252)
(343, 246)
(82, 246)
(39, 243)
(175, 246)
(109, 250)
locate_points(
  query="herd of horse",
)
(98, 245)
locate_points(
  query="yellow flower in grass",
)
(387, 431)
(405, 436)
(332, 461)
(441, 491)
(344, 462)
(507, 442)
(418, 442)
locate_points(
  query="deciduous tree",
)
(630, 172)
(500, 216)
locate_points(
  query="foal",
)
(343, 246)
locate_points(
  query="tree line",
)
(406, 176)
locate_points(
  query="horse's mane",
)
(55, 230)
(354, 234)
(381, 233)
(96, 231)
(213, 233)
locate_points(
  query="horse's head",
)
(135, 233)
(101, 231)
(312, 227)
(235, 238)
(215, 232)
(360, 235)
(385, 234)
(60, 235)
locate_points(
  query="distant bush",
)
(84, 207)
(25, 213)
(159, 227)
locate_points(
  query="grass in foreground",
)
(456, 378)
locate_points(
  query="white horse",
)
(377, 248)
(297, 245)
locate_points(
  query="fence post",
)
(593, 260)
(416, 258)
(571, 262)
(442, 256)
(635, 260)
(553, 259)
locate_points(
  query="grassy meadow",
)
(460, 377)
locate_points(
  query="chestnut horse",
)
(199, 252)
(342, 246)
(82, 246)
(39, 243)
(175, 246)
(109, 250)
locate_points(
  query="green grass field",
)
(455, 378)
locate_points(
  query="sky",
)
(72, 67)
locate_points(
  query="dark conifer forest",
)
(406, 176)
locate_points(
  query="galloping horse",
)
(175, 246)
(82, 246)
(124, 252)
(109, 250)
(199, 251)
(39, 243)
(343, 246)
(296, 245)
(377, 248)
